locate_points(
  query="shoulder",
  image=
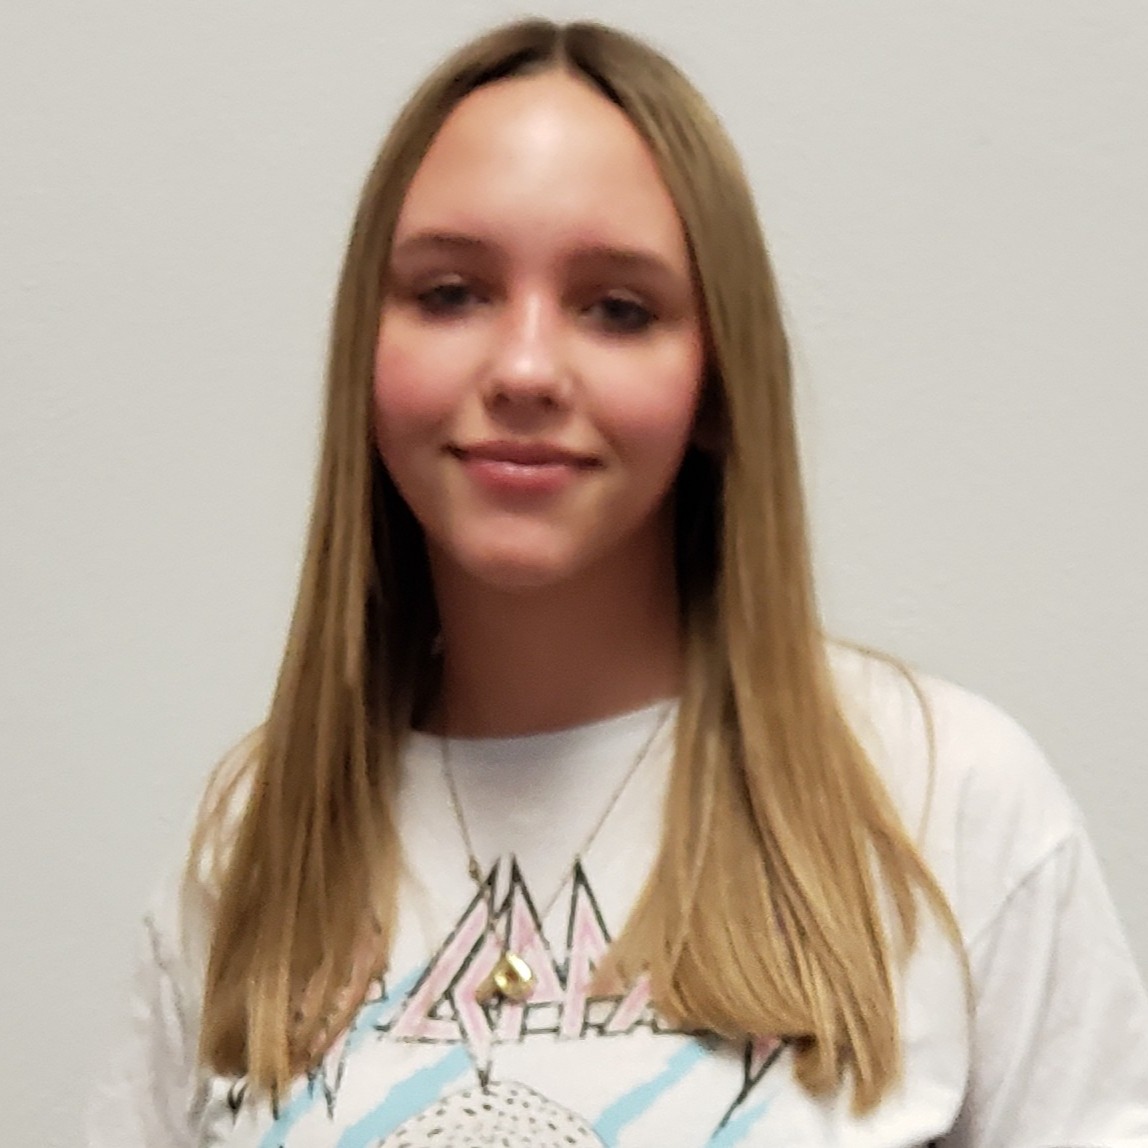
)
(973, 786)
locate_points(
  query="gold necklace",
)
(512, 978)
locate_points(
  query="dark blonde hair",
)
(763, 914)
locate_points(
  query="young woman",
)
(568, 826)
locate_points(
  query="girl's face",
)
(540, 349)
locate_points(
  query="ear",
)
(710, 431)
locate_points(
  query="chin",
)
(504, 566)
(505, 557)
(519, 573)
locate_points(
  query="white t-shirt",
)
(1057, 1054)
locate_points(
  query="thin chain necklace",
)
(512, 978)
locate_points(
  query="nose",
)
(528, 374)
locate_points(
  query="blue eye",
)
(445, 298)
(622, 315)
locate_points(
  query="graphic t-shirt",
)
(1056, 1053)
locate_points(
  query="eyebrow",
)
(630, 258)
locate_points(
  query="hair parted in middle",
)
(786, 889)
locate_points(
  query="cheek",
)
(651, 412)
(411, 391)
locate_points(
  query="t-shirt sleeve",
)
(1060, 1031)
(147, 1095)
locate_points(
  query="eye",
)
(620, 314)
(447, 298)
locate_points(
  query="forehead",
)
(543, 159)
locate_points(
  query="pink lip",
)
(522, 453)
(518, 469)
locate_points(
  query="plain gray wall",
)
(955, 195)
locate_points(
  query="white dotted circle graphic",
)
(507, 1115)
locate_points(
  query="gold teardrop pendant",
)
(511, 979)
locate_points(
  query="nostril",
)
(543, 396)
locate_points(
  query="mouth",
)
(520, 474)
(523, 454)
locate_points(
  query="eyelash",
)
(637, 320)
(643, 315)
(431, 300)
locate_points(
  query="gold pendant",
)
(511, 979)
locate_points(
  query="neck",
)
(517, 663)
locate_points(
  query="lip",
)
(519, 453)
(511, 472)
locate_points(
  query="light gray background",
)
(955, 194)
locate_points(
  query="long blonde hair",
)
(767, 910)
